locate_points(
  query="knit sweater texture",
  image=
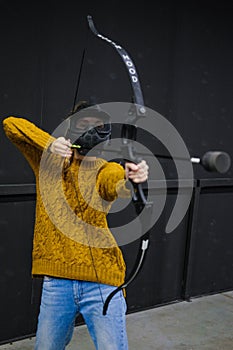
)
(71, 236)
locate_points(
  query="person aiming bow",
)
(73, 248)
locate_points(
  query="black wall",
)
(184, 58)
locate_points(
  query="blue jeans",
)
(62, 300)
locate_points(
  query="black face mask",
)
(86, 138)
(93, 137)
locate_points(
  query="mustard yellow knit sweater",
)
(71, 236)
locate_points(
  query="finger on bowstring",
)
(63, 141)
(68, 143)
(64, 150)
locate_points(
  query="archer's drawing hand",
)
(61, 146)
(137, 172)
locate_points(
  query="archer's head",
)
(89, 126)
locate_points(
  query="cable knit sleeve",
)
(28, 138)
(111, 182)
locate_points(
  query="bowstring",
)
(80, 71)
(72, 177)
(87, 235)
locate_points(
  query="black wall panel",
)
(210, 267)
(16, 227)
(203, 80)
